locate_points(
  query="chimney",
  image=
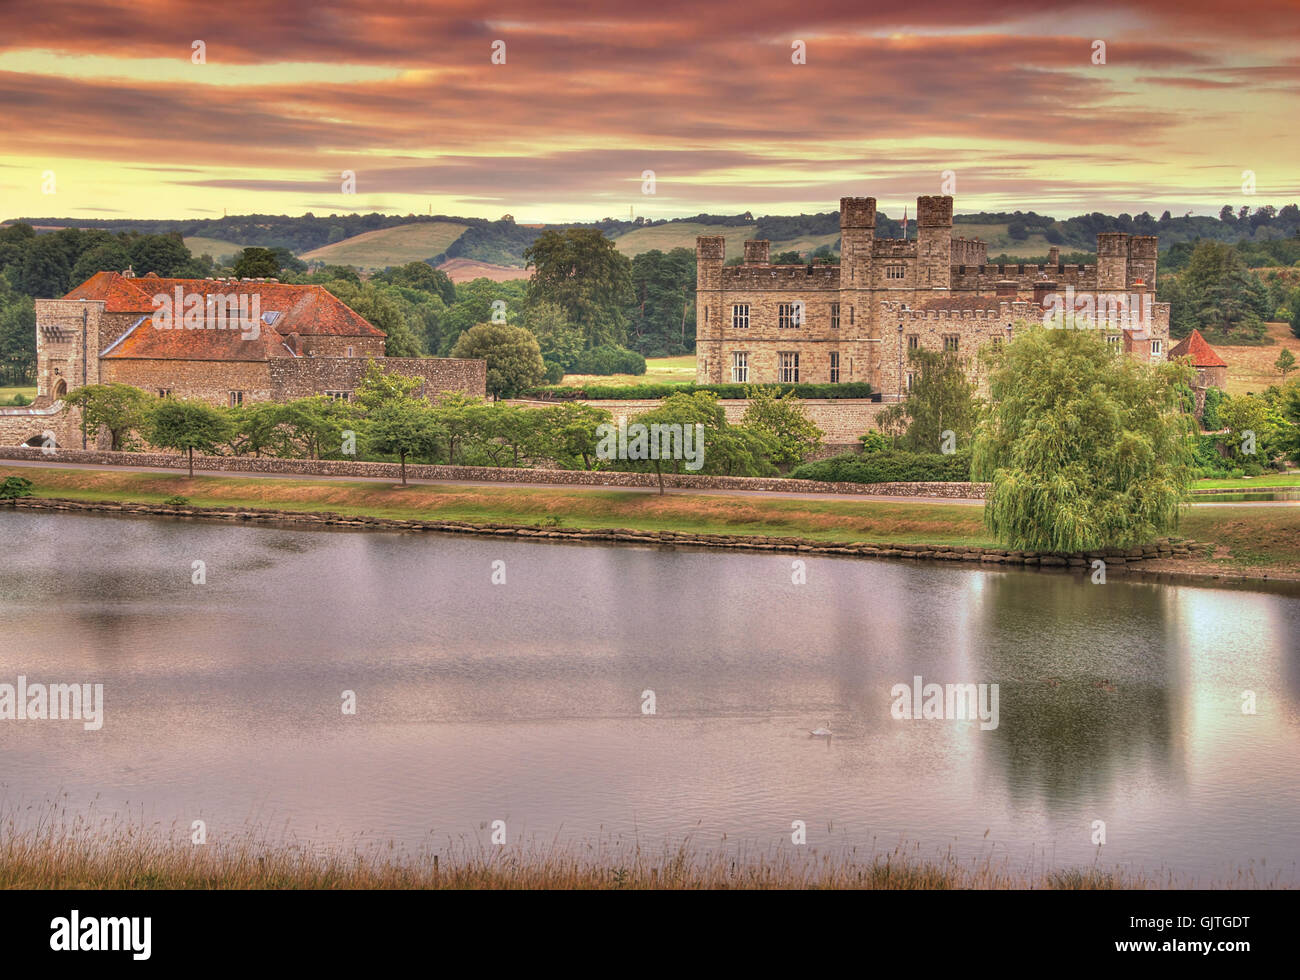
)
(756, 252)
(1054, 256)
(128, 273)
(1042, 289)
(1006, 287)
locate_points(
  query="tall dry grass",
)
(57, 850)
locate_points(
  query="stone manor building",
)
(304, 341)
(759, 322)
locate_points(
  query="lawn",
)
(1245, 538)
(7, 394)
(658, 370)
(1247, 483)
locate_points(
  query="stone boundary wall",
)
(842, 420)
(1118, 560)
(487, 474)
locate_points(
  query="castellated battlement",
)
(758, 252)
(858, 212)
(969, 251)
(711, 248)
(933, 211)
(781, 276)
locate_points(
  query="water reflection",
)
(1119, 702)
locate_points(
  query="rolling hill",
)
(218, 248)
(398, 245)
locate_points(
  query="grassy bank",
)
(113, 854)
(1250, 540)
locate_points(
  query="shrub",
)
(176, 500)
(889, 466)
(14, 487)
(608, 360)
(857, 389)
(554, 371)
(875, 441)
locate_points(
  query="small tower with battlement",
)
(934, 242)
(1112, 261)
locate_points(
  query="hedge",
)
(607, 392)
(889, 466)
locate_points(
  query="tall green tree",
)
(784, 419)
(514, 359)
(121, 409)
(255, 263)
(187, 426)
(402, 429)
(942, 399)
(1085, 448)
(582, 271)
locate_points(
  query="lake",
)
(523, 701)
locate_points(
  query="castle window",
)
(164, 392)
(1112, 339)
(950, 341)
(895, 272)
(789, 371)
(740, 316)
(835, 367)
(338, 396)
(850, 316)
(789, 314)
(1157, 348)
(349, 352)
(913, 341)
(739, 367)
(911, 380)
(236, 399)
(835, 316)
(997, 342)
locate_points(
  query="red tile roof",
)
(1201, 353)
(306, 310)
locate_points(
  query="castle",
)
(300, 341)
(855, 322)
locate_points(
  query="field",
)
(1251, 368)
(681, 234)
(218, 248)
(375, 250)
(999, 241)
(1257, 540)
(465, 270)
(658, 370)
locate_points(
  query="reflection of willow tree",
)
(1085, 674)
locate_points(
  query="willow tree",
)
(1085, 447)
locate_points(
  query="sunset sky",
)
(1004, 93)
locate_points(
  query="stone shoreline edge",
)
(1118, 560)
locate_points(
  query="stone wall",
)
(842, 420)
(211, 381)
(18, 425)
(487, 474)
(300, 377)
